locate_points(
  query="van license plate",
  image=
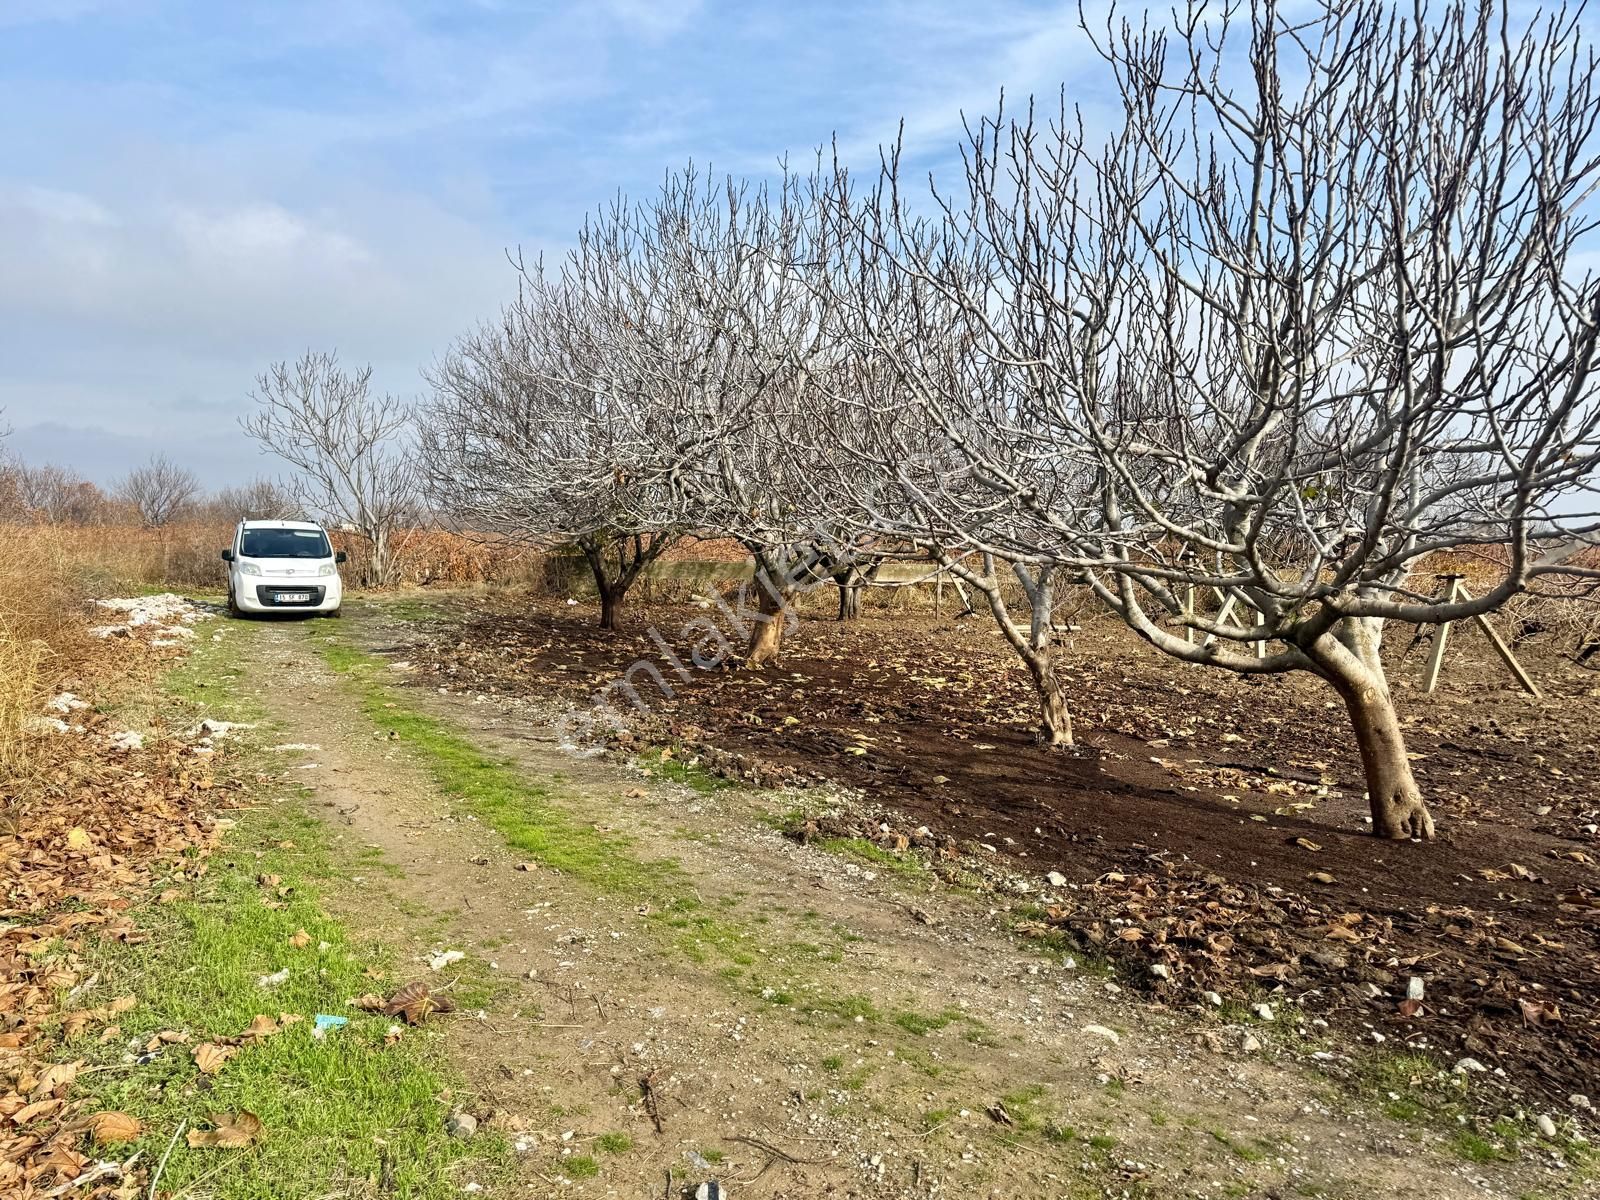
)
(293, 597)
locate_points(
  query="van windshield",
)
(284, 543)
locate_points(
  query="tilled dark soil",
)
(1207, 825)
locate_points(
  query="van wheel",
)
(338, 612)
(233, 609)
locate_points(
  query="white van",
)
(286, 566)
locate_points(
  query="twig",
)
(773, 1150)
(648, 1091)
(162, 1166)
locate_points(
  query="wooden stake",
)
(1441, 636)
(1504, 651)
(1456, 590)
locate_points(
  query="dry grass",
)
(187, 556)
(43, 639)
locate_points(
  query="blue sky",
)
(189, 191)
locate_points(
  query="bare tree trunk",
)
(1034, 646)
(1055, 727)
(1351, 664)
(849, 598)
(610, 591)
(378, 566)
(766, 642)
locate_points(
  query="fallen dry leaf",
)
(111, 1128)
(261, 1027)
(234, 1131)
(300, 940)
(210, 1057)
(55, 1078)
(414, 1002)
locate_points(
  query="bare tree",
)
(1315, 312)
(701, 303)
(159, 491)
(349, 448)
(258, 500)
(525, 436)
(52, 495)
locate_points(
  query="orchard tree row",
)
(1311, 301)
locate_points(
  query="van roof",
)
(279, 525)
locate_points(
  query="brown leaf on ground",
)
(1538, 1012)
(300, 940)
(210, 1057)
(167, 1037)
(414, 1002)
(111, 1128)
(371, 1002)
(261, 1027)
(32, 1112)
(55, 1079)
(234, 1131)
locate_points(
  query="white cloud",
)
(653, 19)
(265, 235)
(54, 206)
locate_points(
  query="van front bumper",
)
(290, 596)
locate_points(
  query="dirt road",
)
(810, 1026)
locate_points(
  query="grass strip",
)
(345, 1114)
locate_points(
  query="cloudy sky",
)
(190, 190)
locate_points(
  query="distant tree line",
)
(154, 495)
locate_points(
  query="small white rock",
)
(1100, 1031)
(1546, 1125)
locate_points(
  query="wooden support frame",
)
(1454, 589)
(1230, 601)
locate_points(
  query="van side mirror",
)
(227, 556)
(341, 557)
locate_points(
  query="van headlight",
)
(249, 569)
(327, 569)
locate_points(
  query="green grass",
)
(520, 809)
(1474, 1147)
(666, 764)
(613, 1143)
(529, 815)
(901, 863)
(337, 1111)
(345, 1114)
(581, 1166)
(408, 608)
(922, 1024)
